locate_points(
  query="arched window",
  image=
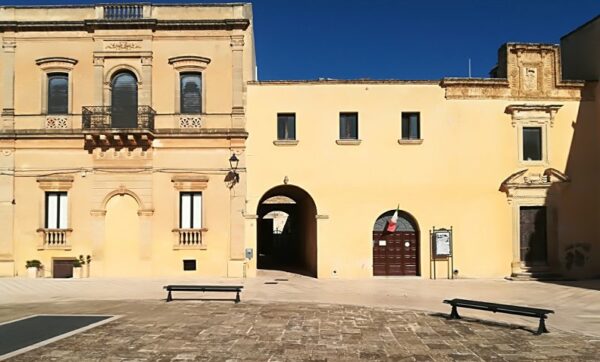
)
(124, 100)
(58, 93)
(190, 93)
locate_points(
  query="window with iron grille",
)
(191, 93)
(349, 126)
(56, 210)
(411, 126)
(286, 126)
(58, 93)
(190, 210)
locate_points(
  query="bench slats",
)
(204, 288)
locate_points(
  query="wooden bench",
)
(204, 288)
(501, 308)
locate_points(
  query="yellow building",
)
(117, 125)
(505, 162)
(120, 122)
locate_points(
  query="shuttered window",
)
(191, 93)
(124, 100)
(190, 210)
(286, 126)
(56, 210)
(348, 126)
(58, 93)
(411, 126)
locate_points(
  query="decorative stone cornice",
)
(190, 182)
(56, 63)
(189, 61)
(237, 41)
(535, 183)
(55, 182)
(153, 24)
(533, 113)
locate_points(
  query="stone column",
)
(8, 83)
(98, 81)
(146, 94)
(7, 214)
(237, 104)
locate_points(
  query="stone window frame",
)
(528, 115)
(190, 183)
(114, 71)
(50, 65)
(56, 183)
(189, 64)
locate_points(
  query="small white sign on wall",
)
(382, 243)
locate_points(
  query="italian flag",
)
(393, 221)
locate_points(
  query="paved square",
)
(277, 331)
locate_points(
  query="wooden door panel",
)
(395, 258)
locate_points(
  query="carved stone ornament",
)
(190, 121)
(122, 45)
(237, 41)
(57, 122)
(189, 61)
(525, 180)
(532, 113)
(56, 63)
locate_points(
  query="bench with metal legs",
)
(204, 288)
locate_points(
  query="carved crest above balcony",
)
(122, 45)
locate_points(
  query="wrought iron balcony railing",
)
(123, 11)
(106, 118)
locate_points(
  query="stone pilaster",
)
(145, 235)
(98, 81)
(8, 83)
(237, 104)
(7, 213)
(146, 93)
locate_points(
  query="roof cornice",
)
(152, 24)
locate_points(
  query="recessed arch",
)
(396, 248)
(142, 209)
(112, 72)
(291, 246)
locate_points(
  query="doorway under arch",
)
(396, 252)
(287, 231)
(124, 100)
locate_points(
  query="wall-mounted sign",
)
(442, 242)
(382, 243)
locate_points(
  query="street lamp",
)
(233, 177)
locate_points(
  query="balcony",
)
(189, 239)
(54, 239)
(123, 11)
(106, 128)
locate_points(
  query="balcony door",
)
(124, 100)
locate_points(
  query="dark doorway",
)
(533, 235)
(62, 268)
(124, 100)
(396, 252)
(287, 231)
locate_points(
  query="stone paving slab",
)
(275, 331)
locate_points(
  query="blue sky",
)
(400, 39)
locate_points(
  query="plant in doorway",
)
(33, 268)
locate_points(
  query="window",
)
(286, 126)
(348, 126)
(532, 143)
(190, 93)
(189, 264)
(58, 93)
(411, 126)
(190, 210)
(56, 210)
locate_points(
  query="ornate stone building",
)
(117, 125)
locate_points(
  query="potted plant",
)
(78, 267)
(33, 267)
(88, 260)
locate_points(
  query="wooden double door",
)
(62, 268)
(533, 230)
(395, 253)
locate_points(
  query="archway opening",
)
(124, 100)
(122, 237)
(396, 248)
(287, 231)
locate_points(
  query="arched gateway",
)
(287, 231)
(396, 252)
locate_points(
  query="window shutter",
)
(191, 93)
(63, 211)
(186, 211)
(197, 211)
(52, 211)
(124, 101)
(58, 93)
